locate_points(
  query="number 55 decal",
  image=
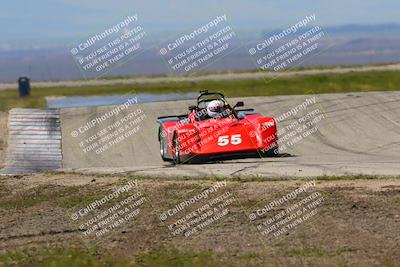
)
(235, 139)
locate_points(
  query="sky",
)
(51, 20)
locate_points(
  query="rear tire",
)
(162, 145)
(273, 152)
(177, 155)
(162, 150)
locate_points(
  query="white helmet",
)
(215, 108)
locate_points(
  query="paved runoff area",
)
(329, 134)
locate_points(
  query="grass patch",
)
(37, 195)
(312, 251)
(80, 199)
(174, 257)
(354, 177)
(78, 196)
(256, 178)
(306, 252)
(60, 257)
(295, 85)
(54, 195)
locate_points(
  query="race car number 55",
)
(235, 139)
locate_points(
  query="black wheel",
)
(161, 139)
(273, 152)
(162, 149)
(177, 156)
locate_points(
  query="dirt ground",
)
(357, 224)
(3, 136)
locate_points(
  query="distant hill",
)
(345, 29)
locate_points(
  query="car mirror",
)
(239, 104)
(192, 107)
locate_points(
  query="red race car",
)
(213, 129)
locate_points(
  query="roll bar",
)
(205, 92)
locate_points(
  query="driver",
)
(217, 109)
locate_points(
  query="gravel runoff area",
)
(355, 224)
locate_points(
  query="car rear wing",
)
(247, 111)
(244, 112)
(163, 119)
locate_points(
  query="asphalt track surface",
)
(211, 77)
(359, 134)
